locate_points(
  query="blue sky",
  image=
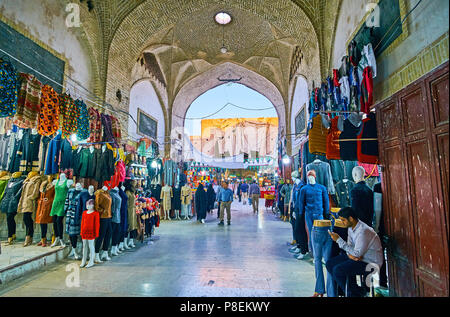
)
(214, 99)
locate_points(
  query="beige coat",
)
(186, 195)
(30, 194)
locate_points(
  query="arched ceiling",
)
(186, 41)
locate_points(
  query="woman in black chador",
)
(201, 203)
(211, 197)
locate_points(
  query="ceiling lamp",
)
(222, 18)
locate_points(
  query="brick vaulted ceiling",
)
(186, 41)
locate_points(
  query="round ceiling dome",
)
(222, 18)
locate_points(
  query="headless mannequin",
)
(88, 243)
(29, 238)
(73, 252)
(62, 179)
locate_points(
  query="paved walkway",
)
(248, 258)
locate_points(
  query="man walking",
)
(254, 193)
(244, 192)
(225, 199)
(238, 191)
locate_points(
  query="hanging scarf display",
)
(28, 102)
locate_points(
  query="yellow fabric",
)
(318, 137)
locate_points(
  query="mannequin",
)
(186, 198)
(61, 188)
(361, 197)
(90, 226)
(9, 203)
(115, 220)
(131, 214)
(123, 221)
(103, 203)
(166, 196)
(176, 205)
(72, 222)
(28, 203)
(313, 203)
(299, 228)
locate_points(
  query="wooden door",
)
(413, 135)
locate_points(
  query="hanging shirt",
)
(348, 149)
(95, 126)
(8, 89)
(323, 174)
(333, 152)
(367, 151)
(49, 112)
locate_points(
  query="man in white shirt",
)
(363, 253)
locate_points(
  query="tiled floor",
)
(248, 258)
(16, 253)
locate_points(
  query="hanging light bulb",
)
(74, 138)
(154, 164)
(223, 50)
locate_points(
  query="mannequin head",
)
(62, 177)
(78, 186)
(105, 188)
(91, 190)
(358, 174)
(90, 204)
(311, 177)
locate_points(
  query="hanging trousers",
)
(28, 220)
(58, 226)
(104, 235)
(321, 243)
(44, 228)
(73, 240)
(115, 233)
(11, 222)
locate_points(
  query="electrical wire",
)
(226, 105)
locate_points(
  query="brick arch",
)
(131, 37)
(208, 80)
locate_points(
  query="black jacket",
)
(104, 168)
(211, 196)
(85, 164)
(361, 197)
(176, 199)
(12, 194)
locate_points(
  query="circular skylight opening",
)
(222, 18)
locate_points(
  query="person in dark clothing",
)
(239, 192)
(201, 203)
(362, 202)
(211, 197)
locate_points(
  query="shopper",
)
(254, 193)
(225, 199)
(285, 192)
(201, 203)
(219, 189)
(244, 192)
(363, 247)
(238, 191)
(211, 197)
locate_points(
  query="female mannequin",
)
(28, 203)
(123, 219)
(115, 220)
(176, 205)
(166, 196)
(90, 227)
(10, 203)
(61, 189)
(131, 214)
(72, 223)
(47, 194)
(103, 207)
(186, 198)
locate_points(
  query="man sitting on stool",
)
(363, 247)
